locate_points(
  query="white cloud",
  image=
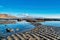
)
(52, 17)
(47, 16)
(33, 15)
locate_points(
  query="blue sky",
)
(42, 8)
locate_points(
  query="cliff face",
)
(3, 15)
(6, 16)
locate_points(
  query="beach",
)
(40, 32)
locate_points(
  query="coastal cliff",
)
(6, 16)
(7, 21)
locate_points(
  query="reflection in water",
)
(13, 28)
(52, 23)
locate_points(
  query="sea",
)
(18, 27)
(23, 26)
(51, 23)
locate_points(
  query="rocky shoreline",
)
(7, 21)
(40, 32)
